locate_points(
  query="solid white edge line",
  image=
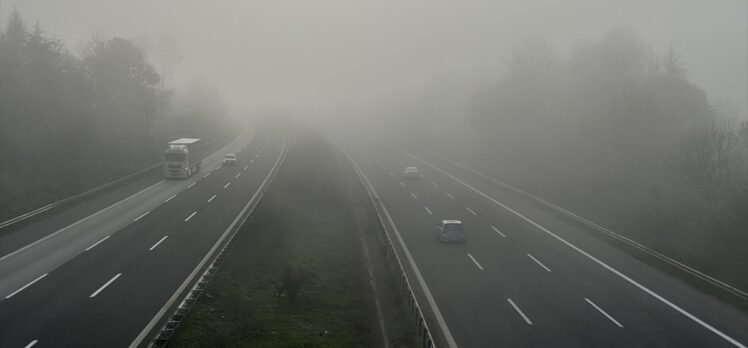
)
(427, 293)
(527, 320)
(190, 217)
(157, 243)
(170, 198)
(141, 216)
(414, 195)
(211, 198)
(79, 221)
(97, 243)
(428, 210)
(26, 286)
(538, 262)
(632, 242)
(497, 231)
(596, 260)
(475, 261)
(227, 185)
(471, 211)
(603, 312)
(157, 317)
(105, 285)
(450, 196)
(31, 344)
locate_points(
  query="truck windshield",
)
(174, 157)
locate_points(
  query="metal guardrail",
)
(89, 192)
(162, 336)
(83, 194)
(424, 332)
(741, 294)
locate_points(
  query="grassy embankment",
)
(295, 276)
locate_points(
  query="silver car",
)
(411, 173)
(229, 159)
(450, 231)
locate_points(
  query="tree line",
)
(617, 131)
(611, 129)
(72, 120)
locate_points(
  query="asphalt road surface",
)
(526, 277)
(97, 274)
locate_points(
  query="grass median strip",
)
(294, 277)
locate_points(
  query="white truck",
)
(179, 160)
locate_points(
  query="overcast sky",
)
(327, 52)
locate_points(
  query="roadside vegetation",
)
(295, 275)
(70, 121)
(613, 130)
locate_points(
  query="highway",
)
(526, 277)
(98, 273)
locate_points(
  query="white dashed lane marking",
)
(527, 320)
(497, 231)
(538, 262)
(141, 216)
(97, 243)
(105, 285)
(603, 312)
(190, 217)
(26, 286)
(475, 261)
(157, 243)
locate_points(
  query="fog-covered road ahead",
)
(525, 277)
(97, 274)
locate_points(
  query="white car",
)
(411, 173)
(229, 159)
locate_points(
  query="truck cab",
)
(179, 160)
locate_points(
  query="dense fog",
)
(632, 113)
(336, 52)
